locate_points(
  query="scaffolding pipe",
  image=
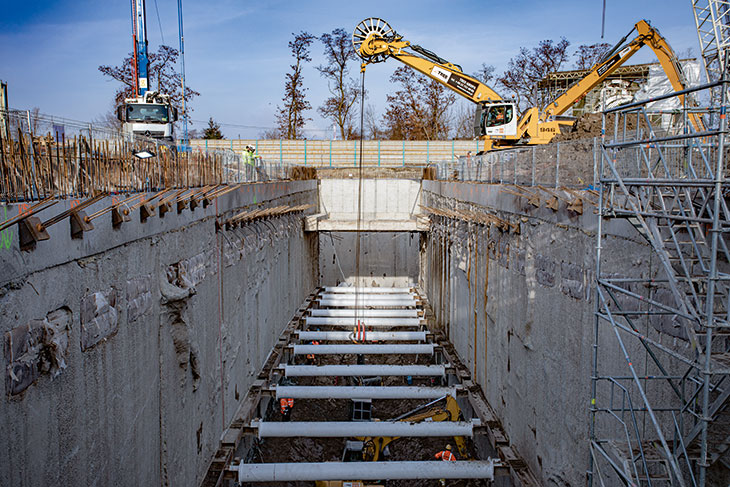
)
(365, 349)
(366, 322)
(365, 313)
(363, 392)
(368, 370)
(396, 336)
(367, 290)
(291, 472)
(346, 429)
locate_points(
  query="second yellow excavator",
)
(498, 125)
(372, 449)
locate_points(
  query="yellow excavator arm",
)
(373, 446)
(646, 36)
(375, 41)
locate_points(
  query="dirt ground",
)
(589, 125)
(274, 450)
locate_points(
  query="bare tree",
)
(463, 120)
(530, 66)
(587, 56)
(290, 117)
(485, 73)
(344, 91)
(372, 129)
(161, 73)
(419, 110)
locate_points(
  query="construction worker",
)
(286, 405)
(311, 358)
(446, 456)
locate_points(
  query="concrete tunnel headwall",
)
(127, 353)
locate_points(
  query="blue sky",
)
(236, 52)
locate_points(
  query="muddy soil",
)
(274, 450)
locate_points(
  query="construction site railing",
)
(43, 156)
(561, 164)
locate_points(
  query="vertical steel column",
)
(557, 165)
(533, 165)
(712, 280)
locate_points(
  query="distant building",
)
(626, 84)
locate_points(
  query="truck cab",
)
(150, 115)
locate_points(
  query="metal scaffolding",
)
(661, 417)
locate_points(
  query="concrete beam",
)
(347, 429)
(290, 472)
(411, 225)
(366, 322)
(396, 336)
(365, 349)
(363, 392)
(368, 370)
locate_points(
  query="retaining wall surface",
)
(126, 353)
(519, 308)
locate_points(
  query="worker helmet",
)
(448, 447)
(249, 147)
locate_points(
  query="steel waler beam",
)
(363, 392)
(290, 472)
(346, 429)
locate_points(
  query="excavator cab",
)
(496, 119)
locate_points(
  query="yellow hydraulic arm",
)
(374, 446)
(375, 42)
(646, 36)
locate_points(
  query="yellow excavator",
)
(372, 449)
(498, 125)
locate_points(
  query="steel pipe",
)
(364, 290)
(365, 349)
(396, 336)
(363, 392)
(367, 370)
(364, 298)
(364, 313)
(366, 322)
(346, 429)
(368, 295)
(291, 472)
(394, 303)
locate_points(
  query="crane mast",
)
(139, 37)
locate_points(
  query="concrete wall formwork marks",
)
(518, 308)
(127, 353)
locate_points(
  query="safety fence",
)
(561, 164)
(347, 153)
(43, 156)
